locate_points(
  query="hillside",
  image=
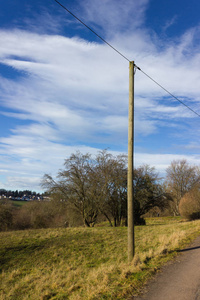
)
(87, 263)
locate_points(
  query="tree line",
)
(91, 189)
(96, 186)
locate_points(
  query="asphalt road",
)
(179, 279)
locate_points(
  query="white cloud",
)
(75, 92)
(28, 158)
(123, 17)
(162, 161)
(170, 23)
(21, 183)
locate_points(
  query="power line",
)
(92, 30)
(168, 91)
(126, 58)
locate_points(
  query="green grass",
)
(15, 203)
(18, 203)
(87, 263)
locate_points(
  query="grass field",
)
(18, 203)
(87, 263)
(15, 203)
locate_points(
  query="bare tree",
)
(98, 185)
(111, 174)
(181, 178)
(149, 192)
(93, 186)
(75, 183)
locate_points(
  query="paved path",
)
(178, 280)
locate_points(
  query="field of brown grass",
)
(87, 263)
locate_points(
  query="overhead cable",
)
(167, 91)
(126, 58)
(92, 30)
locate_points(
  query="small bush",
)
(21, 219)
(189, 206)
(6, 218)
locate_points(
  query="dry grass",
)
(86, 263)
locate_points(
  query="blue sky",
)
(62, 89)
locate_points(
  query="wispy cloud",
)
(170, 23)
(74, 92)
(112, 18)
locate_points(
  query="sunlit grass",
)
(87, 263)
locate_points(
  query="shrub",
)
(190, 204)
(6, 217)
(49, 214)
(34, 215)
(21, 219)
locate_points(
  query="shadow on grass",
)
(15, 254)
(189, 249)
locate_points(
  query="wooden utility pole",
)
(131, 238)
